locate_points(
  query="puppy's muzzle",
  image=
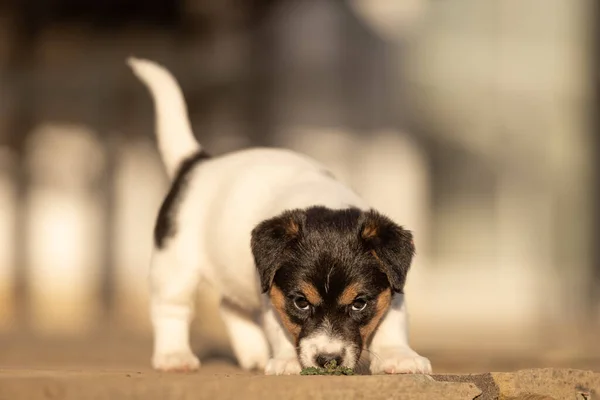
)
(325, 358)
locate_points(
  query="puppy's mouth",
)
(320, 350)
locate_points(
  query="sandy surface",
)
(217, 381)
(117, 367)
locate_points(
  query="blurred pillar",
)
(108, 106)
(64, 229)
(8, 206)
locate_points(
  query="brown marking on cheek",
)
(381, 305)
(349, 294)
(311, 293)
(278, 301)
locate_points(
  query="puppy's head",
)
(331, 275)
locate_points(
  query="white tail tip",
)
(147, 69)
(175, 137)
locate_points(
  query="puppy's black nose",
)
(325, 358)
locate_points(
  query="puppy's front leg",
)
(284, 359)
(389, 350)
(247, 337)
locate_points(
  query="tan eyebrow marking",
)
(381, 305)
(311, 293)
(278, 301)
(349, 294)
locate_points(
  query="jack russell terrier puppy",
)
(306, 270)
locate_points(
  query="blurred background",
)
(473, 123)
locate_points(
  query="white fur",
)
(225, 199)
(389, 349)
(243, 329)
(175, 137)
(325, 342)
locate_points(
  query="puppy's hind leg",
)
(247, 338)
(173, 285)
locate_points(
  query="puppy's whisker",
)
(362, 365)
(372, 353)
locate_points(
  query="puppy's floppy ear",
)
(390, 244)
(271, 239)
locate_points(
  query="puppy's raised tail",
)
(174, 133)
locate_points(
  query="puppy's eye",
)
(301, 304)
(359, 305)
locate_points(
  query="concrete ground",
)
(117, 367)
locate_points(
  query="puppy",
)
(306, 270)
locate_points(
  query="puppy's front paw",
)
(399, 361)
(181, 361)
(253, 359)
(283, 366)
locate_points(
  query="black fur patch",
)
(332, 250)
(165, 221)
